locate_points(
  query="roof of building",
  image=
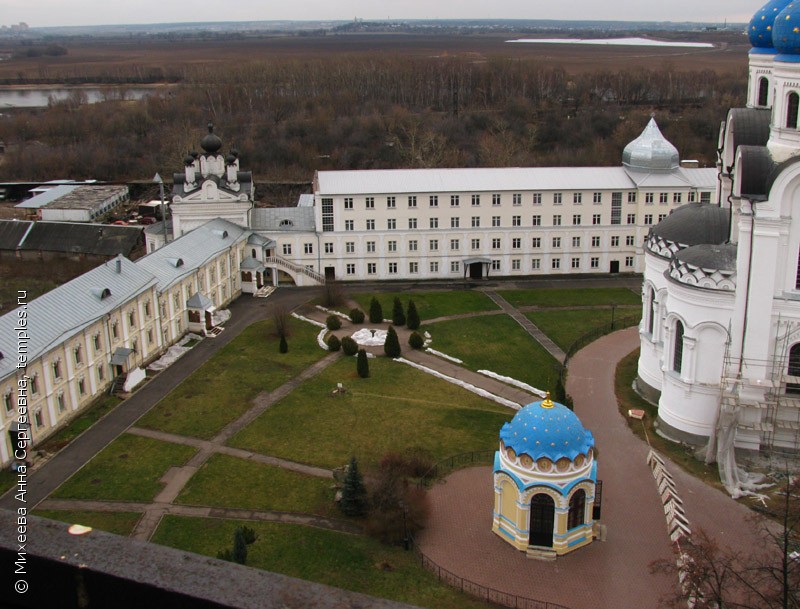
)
(477, 180)
(48, 196)
(66, 310)
(80, 238)
(759, 30)
(12, 232)
(651, 151)
(693, 224)
(183, 256)
(756, 166)
(547, 429)
(492, 179)
(75, 197)
(750, 126)
(300, 219)
(786, 34)
(199, 301)
(710, 257)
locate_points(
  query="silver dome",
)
(651, 151)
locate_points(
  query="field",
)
(95, 57)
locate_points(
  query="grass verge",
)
(575, 297)
(627, 399)
(226, 481)
(496, 343)
(430, 305)
(81, 423)
(346, 561)
(128, 469)
(396, 409)
(221, 390)
(120, 523)
(565, 327)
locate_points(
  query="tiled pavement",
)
(605, 575)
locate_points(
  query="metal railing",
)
(295, 268)
(480, 591)
(456, 461)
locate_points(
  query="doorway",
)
(614, 267)
(543, 512)
(330, 273)
(476, 270)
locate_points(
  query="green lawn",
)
(346, 561)
(221, 390)
(556, 297)
(236, 483)
(128, 469)
(496, 343)
(565, 327)
(121, 523)
(396, 409)
(430, 305)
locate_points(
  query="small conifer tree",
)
(398, 315)
(349, 346)
(239, 547)
(415, 341)
(375, 311)
(284, 346)
(333, 322)
(334, 344)
(392, 345)
(362, 364)
(354, 493)
(412, 318)
(357, 316)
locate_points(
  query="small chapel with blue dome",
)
(545, 479)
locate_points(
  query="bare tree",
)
(766, 577)
(280, 317)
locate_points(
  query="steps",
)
(118, 384)
(541, 553)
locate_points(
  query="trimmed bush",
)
(412, 318)
(415, 341)
(284, 346)
(398, 315)
(375, 311)
(239, 547)
(333, 322)
(356, 316)
(362, 364)
(392, 345)
(349, 346)
(333, 343)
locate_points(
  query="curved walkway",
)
(606, 574)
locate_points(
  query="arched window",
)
(577, 509)
(763, 91)
(794, 368)
(677, 349)
(793, 102)
(652, 316)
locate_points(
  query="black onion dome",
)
(694, 224)
(188, 160)
(211, 142)
(230, 159)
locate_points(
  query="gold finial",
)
(547, 402)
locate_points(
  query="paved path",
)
(606, 574)
(245, 311)
(204, 512)
(528, 326)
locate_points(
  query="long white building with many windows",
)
(424, 224)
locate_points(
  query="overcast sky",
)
(97, 12)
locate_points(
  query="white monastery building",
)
(720, 335)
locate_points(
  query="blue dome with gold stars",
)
(786, 33)
(547, 429)
(759, 30)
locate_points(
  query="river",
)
(39, 96)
